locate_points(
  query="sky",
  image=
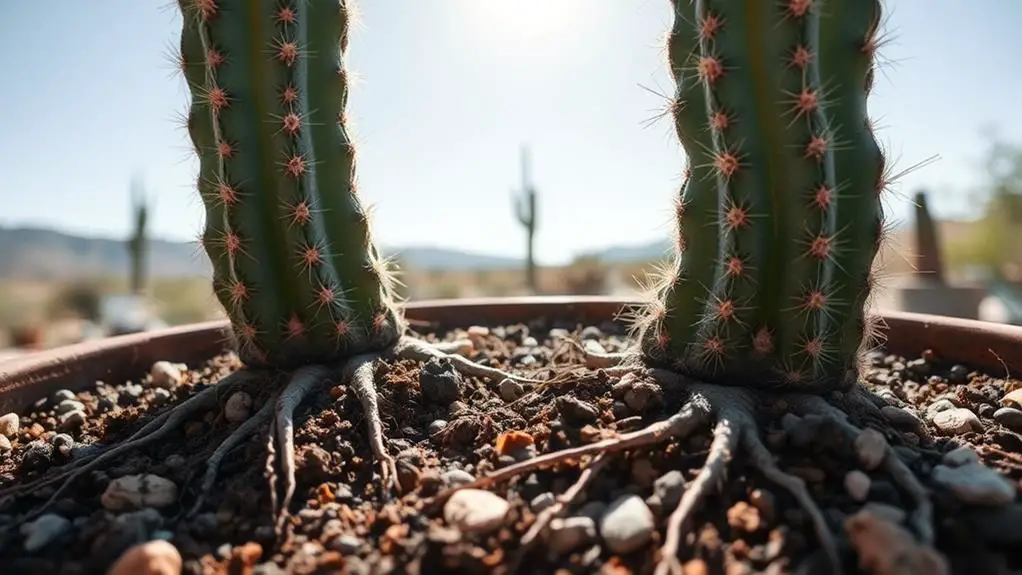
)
(448, 91)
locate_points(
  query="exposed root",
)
(560, 504)
(411, 348)
(709, 479)
(360, 371)
(247, 428)
(681, 424)
(150, 433)
(303, 382)
(461, 347)
(763, 460)
(922, 517)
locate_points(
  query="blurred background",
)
(508, 147)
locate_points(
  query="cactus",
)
(930, 267)
(779, 216)
(138, 244)
(295, 266)
(525, 210)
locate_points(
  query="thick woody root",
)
(411, 348)
(736, 432)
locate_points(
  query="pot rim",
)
(989, 346)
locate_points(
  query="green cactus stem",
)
(779, 216)
(295, 266)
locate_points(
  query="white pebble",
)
(5, 444)
(570, 533)
(960, 456)
(476, 511)
(238, 407)
(43, 531)
(9, 424)
(593, 347)
(857, 485)
(871, 448)
(136, 491)
(975, 484)
(957, 420)
(164, 375)
(627, 524)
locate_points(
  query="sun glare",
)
(531, 21)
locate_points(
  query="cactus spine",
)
(525, 211)
(295, 266)
(779, 216)
(138, 244)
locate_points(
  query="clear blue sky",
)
(448, 91)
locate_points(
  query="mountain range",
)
(43, 254)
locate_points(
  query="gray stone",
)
(627, 525)
(571, 533)
(975, 484)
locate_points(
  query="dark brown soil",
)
(340, 522)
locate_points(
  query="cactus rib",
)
(779, 218)
(294, 263)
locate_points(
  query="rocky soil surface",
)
(132, 516)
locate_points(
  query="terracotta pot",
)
(995, 348)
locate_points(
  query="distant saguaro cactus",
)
(524, 203)
(929, 266)
(138, 243)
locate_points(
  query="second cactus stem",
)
(295, 266)
(780, 216)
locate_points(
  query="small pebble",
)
(455, 477)
(436, 427)
(9, 425)
(72, 419)
(135, 491)
(38, 454)
(160, 396)
(957, 420)
(576, 410)
(69, 405)
(62, 395)
(899, 417)
(669, 487)
(571, 533)
(165, 375)
(857, 485)
(975, 484)
(885, 511)
(627, 525)
(510, 390)
(157, 557)
(959, 374)
(238, 407)
(64, 443)
(43, 531)
(439, 381)
(542, 501)
(960, 456)
(592, 346)
(1013, 398)
(591, 332)
(1009, 417)
(476, 511)
(346, 544)
(939, 406)
(870, 448)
